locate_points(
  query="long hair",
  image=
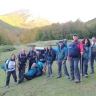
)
(14, 57)
(87, 40)
(47, 51)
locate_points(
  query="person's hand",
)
(63, 62)
(81, 53)
(18, 66)
(68, 58)
(6, 71)
(41, 59)
(26, 66)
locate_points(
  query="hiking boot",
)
(86, 75)
(67, 77)
(58, 76)
(77, 81)
(48, 75)
(92, 73)
(51, 76)
(7, 86)
(71, 79)
(82, 74)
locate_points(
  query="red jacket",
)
(80, 47)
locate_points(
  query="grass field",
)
(45, 86)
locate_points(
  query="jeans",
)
(8, 77)
(92, 63)
(21, 70)
(74, 70)
(60, 68)
(85, 64)
(49, 67)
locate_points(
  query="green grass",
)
(44, 86)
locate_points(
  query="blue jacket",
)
(50, 56)
(86, 51)
(62, 53)
(32, 72)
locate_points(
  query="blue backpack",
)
(73, 50)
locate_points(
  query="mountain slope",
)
(24, 19)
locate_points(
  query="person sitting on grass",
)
(35, 71)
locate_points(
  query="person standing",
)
(22, 63)
(92, 54)
(50, 53)
(86, 55)
(61, 57)
(11, 69)
(31, 56)
(75, 50)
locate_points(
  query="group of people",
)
(75, 52)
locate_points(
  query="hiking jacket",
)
(86, 51)
(22, 58)
(50, 56)
(31, 55)
(91, 50)
(62, 53)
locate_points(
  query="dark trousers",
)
(8, 77)
(25, 76)
(85, 66)
(30, 64)
(93, 58)
(21, 71)
(60, 68)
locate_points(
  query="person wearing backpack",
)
(61, 57)
(50, 55)
(92, 54)
(86, 55)
(75, 49)
(22, 63)
(11, 69)
(31, 56)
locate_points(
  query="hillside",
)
(89, 22)
(24, 19)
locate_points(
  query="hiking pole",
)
(81, 65)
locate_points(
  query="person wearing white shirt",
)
(11, 69)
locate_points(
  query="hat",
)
(61, 41)
(75, 34)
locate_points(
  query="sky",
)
(53, 10)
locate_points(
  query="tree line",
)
(58, 31)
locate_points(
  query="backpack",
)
(93, 49)
(73, 50)
(6, 61)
